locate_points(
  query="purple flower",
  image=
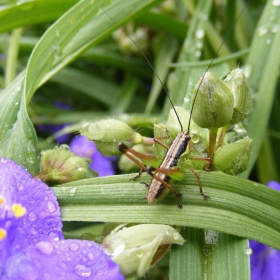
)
(265, 261)
(104, 166)
(31, 241)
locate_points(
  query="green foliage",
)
(63, 50)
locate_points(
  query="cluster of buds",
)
(220, 106)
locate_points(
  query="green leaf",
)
(263, 66)
(78, 29)
(18, 138)
(206, 255)
(233, 208)
(31, 12)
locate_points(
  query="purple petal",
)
(67, 259)
(104, 166)
(42, 220)
(265, 262)
(274, 185)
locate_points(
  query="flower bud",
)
(135, 248)
(237, 83)
(214, 103)
(108, 133)
(61, 166)
(234, 158)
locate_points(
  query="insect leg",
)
(127, 152)
(207, 166)
(199, 184)
(132, 154)
(156, 140)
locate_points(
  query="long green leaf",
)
(26, 13)
(263, 67)
(237, 206)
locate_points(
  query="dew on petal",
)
(82, 270)
(32, 217)
(20, 186)
(54, 236)
(51, 206)
(44, 247)
(74, 246)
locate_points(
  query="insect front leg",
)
(135, 156)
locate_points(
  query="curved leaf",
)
(236, 206)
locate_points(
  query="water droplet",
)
(64, 147)
(54, 236)
(51, 206)
(268, 41)
(276, 2)
(275, 28)
(198, 53)
(249, 252)
(18, 88)
(34, 231)
(32, 217)
(74, 246)
(44, 247)
(199, 33)
(91, 256)
(57, 33)
(55, 50)
(199, 44)
(262, 31)
(20, 186)
(140, 255)
(16, 103)
(82, 270)
(72, 191)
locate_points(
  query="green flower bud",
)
(108, 133)
(236, 81)
(214, 103)
(135, 248)
(61, 166)
(234, 158)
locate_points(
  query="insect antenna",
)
(151, 66)
(215, 56)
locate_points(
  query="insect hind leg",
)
(199, 184)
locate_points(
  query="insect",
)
(168, 168)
